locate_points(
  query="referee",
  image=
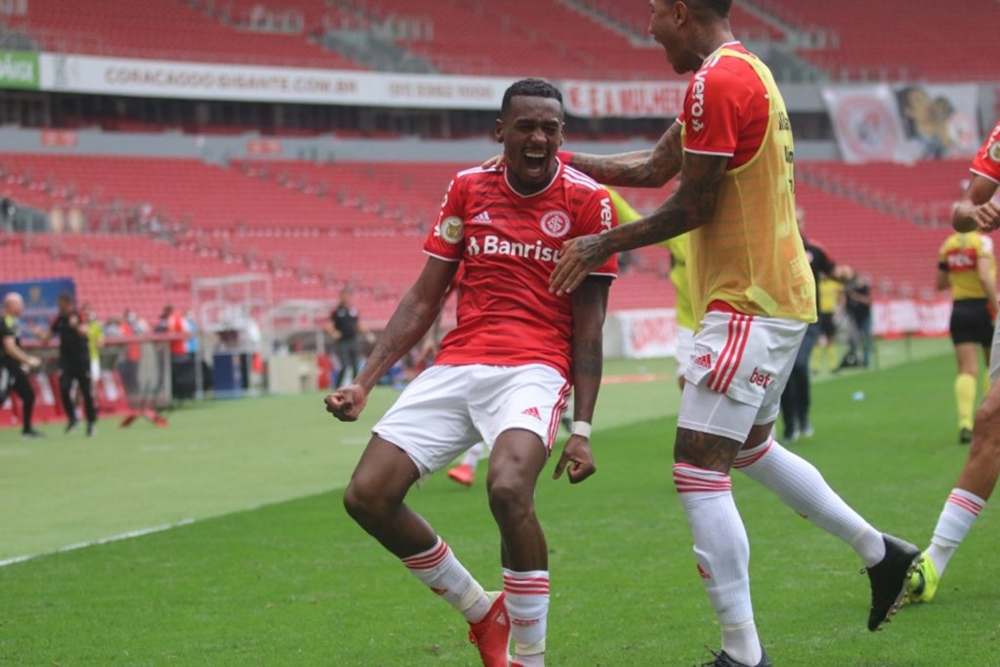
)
(967, 265)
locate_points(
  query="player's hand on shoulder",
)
(577, 460)
(346, 403)
(493, 162)
(578, 258)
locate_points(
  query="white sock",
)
(528, 607)
(959, 513)
(722, 550)
(802, 487)
(476, 452)
(442, 573)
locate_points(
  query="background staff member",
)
(12, 361)
(74, 361)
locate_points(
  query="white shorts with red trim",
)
(685, 349)
(747, 360)
(447, 409)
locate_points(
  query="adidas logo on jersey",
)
(705, 361)
(482, 219)
(532, 412)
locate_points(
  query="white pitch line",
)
(93, 543)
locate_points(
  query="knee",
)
(987, 427)
(364, 503)
(510, 497)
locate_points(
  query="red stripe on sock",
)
(690, 479)
(428, 560)
(743, 461)
(970, 506)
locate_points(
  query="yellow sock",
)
(831, 357)
(965, 397)
(815, 360)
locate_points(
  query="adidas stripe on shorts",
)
(740, 366)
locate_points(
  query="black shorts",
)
(970, 323)
(827, 326)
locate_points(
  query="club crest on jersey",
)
(451, 229)
(555, 223)
(994, 151)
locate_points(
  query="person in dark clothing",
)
(74, 361)
(345, 328)
(13, 359)
(858, 305)
(795, 399)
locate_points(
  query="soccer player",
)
(74, 361)
(753, 294)
(967, 265)
(13, 359)
(502, 373)
(975, 212)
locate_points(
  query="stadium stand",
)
(183, 32)
(893, 39)
(629, 17)
(923, 192)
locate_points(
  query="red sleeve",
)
(713, 104)
(597, 214)
(987, 162)
(445, 240)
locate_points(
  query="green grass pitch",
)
(273, 573)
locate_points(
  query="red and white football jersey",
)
(726, 110)
(509, 244)
(987, 162)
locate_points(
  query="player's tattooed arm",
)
(639, 169)
(705, 450)
(412, 318)
(690, 207)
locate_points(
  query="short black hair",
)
(718, 7)
(529, 88)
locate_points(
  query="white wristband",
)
(581, 429)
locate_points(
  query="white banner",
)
(633, 99)
(158, 78)
(904, 123)
(648, 333)
(904, 317)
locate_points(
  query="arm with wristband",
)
(589, 305)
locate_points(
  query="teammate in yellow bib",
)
(752, 294)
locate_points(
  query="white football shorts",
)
(447, 409)
(740, 366)
(685, 349)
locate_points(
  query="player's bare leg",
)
(965, 502)
(516, 461)
(374, 498)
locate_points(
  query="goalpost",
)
(234, 335)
